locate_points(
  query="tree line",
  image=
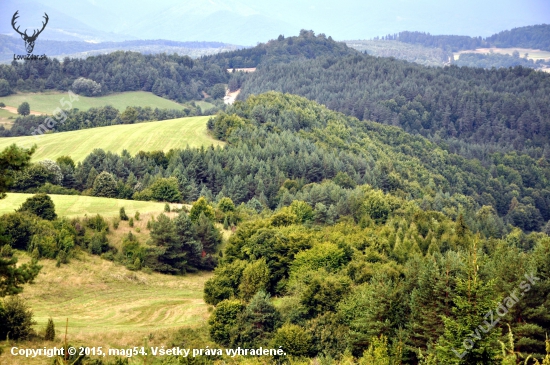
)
(532, 36)
(97, 117)
(179, 78)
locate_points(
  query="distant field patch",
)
(533, 54)
(151, 136)
(204, 105)
(77, 205)
(48, 102)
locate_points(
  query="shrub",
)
(131, 222)
(293, 339)
(15, 319)
(136, 216)
(223, 320)
(40, 205)
(122, 214)
(49, 335)
(97, 223)
(167, 208)
(116, 222)
(19, 227)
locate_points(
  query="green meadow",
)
(151, 136)
(47, 102)
(78, 205)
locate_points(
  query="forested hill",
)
(502, 109)
(175, 77)
(277, 141)
(533, 36)
(305, 46)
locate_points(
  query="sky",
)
(247, 22)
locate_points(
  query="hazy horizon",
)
(246, 22)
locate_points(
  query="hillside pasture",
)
(47, 102)
(78, 205)
(151, 136)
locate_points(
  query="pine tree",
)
(187, 240)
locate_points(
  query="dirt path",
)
(13, 110)
(230, 97)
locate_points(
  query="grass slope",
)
(107, 305)
(152, 136)
(48, 102)
(77, 205)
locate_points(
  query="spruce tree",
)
(50, 331)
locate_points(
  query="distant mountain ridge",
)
(79, 49)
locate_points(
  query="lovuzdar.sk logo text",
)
(28, 39)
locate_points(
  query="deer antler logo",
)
(29, 39)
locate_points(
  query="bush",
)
(116, 222)
(223, 320)
(97, 223)
(19, 227)
(293, 339)
(40, 205)
(49, 335)
(167, 208)
(136, 216)
(15, 319)
(131, 222)
(122, 214)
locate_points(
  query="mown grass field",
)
(7, 118)
(48, 102)
(77, 205)
(105, 303)
(100, 296)
(152, 136)
(109, 306)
